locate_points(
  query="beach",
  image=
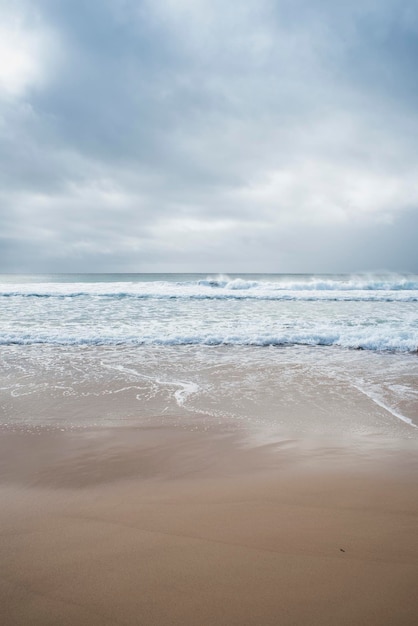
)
(160, 526)
(185, 450)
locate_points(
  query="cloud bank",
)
(192, 136)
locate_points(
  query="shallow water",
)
(298, 390)
(269, 353)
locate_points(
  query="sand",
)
(164, 526)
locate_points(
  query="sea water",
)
(324, 352)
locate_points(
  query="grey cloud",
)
(269, 136)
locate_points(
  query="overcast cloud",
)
(200, 135)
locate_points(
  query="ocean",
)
(295, 354)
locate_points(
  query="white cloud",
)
(317, 191)
(24, 45)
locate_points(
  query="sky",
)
(208, 136)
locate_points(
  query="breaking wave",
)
(379, 341)
(356, 288)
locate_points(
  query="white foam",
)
(181, 394)
(351, 312)
(391, 340)
(187, 389)
(384, 406)
(372, 288)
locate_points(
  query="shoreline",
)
(167, 526)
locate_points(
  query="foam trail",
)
(387, 408)
(180, 395)
(187, 390)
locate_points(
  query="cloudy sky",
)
(206, 135)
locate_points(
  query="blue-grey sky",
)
(200, 135)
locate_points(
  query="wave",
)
(289, 297)
(353, 283)
(374, 289)
(224, 282)
(375, 341)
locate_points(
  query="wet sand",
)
(164, 526)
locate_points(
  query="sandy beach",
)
(163, 526)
